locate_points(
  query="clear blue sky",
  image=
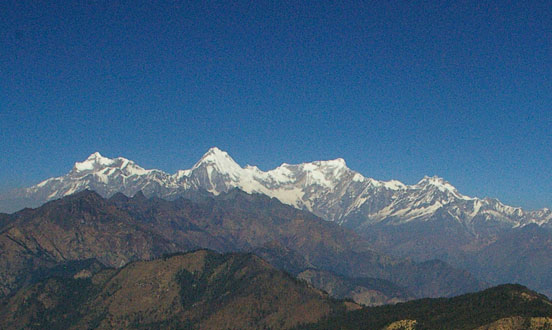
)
(399, 89)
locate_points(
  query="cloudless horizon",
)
(461, 90)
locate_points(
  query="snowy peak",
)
(93, 161)
(335, 163)
(390, 185)
(94, 156)
(439, 184)
(215, 172)
(215, 155)
(325, 173)
(334, 167)
(98, 164)
(327, 188)
(218, 159)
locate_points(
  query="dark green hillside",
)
(468, 311)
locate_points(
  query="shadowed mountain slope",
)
(200, 289)
(121, 229)
(365, 291)
(427, 220)
(78, 227)
(329, 189)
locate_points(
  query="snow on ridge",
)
(338, 162)
(106, 166)
(43, 183)
(328, 188)
(221, 161)
(280, 175)
(132, 169)
(442, 185)
(95, 159)
(358, 177)
(436, 181)
(393, 185)
(181, 174)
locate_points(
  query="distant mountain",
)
(425, 221)
(77, 227)
(329, 189)
(505, 307)
(515, 255)
(365, 291)
(119, 230)
(523, 255)
(200, 289)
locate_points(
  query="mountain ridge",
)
(509, 306)
(329, 189)
(198, 289)
(427, 220)
(120, 230)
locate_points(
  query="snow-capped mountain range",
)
(329, 189)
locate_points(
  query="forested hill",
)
(503, 307)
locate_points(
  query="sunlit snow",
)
(327, 188)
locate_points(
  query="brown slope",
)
(78, 227)
(121, 229)
(201, 289)
(252, 221)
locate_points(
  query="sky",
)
(399, 89)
